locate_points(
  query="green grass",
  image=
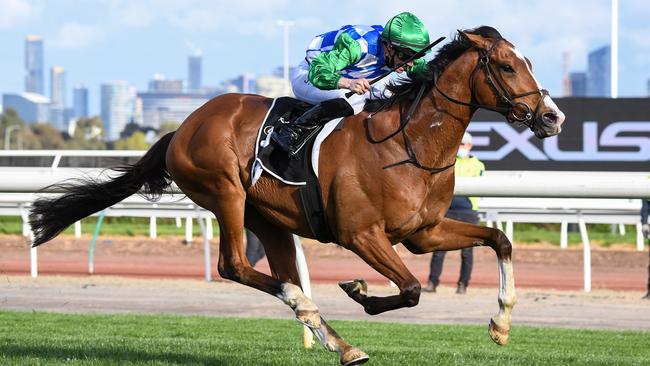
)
(550, 233)
(38, 338)
(139, 226)
(126, 226)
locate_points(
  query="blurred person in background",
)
(461, 209)
(645, 210)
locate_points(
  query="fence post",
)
(153, 232)
(303, 273)
(564, 234)
(188, 230)
(91, 254)
(586, 249)
(77, 229)
(639, 237)
(208, 224)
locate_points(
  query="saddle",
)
(298, 170)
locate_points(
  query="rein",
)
(498, 87)
(412, 158)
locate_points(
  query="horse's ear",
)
(476, 40)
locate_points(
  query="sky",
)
(104, 40)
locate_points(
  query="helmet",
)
(405, 30)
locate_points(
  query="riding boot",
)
(290, 136)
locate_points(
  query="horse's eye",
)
(507, 68)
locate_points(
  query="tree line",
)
(87, 134)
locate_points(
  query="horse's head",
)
(503, 81)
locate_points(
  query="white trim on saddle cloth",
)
(258, 167)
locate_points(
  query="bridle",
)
(498, 87)
(514, 111)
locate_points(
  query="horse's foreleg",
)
(281, 254)
(453, 235)
(375, 249)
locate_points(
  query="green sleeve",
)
(323, 68)
(419, 66)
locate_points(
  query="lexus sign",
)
(599, 134)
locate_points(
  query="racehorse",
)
(386, 177)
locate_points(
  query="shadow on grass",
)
(54, 353)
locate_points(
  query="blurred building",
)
(578, 84)
(31, 107)
(160, 84)
(117, 107)
(279, 71)
(58, 117)
(272, 86)
(648, 88)
(599, 73)
(159, 108)
(194, 73)
(34, 65)
(80, 102)
(57, 85)
(245, 83)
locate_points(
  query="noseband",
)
(514, 111)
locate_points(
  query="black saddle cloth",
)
(276, 161)
(296, 170)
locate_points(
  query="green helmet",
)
(405, 30)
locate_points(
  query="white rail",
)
(610, 185)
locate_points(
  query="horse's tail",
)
(83, 197)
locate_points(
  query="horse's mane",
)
(405, 89)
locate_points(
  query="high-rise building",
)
(80, 102)
(34, 65)
(117, 101)
(160, 84)
(599, 73)
(194, 73)
(57, 85)
(31, 107)
(648, 88)
(578, 84)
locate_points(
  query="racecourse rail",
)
(510, 196)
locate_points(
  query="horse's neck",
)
(439, 125)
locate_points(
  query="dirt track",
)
(164, 276)
(535, 267)
(110, 294)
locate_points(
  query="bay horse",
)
(376, 191)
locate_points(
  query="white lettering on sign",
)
(636, 148)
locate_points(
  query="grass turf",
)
(39, 338)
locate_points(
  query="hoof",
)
(499, 335)
(354, 287)
(309, 318)
(353, 356)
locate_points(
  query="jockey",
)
(345, 60)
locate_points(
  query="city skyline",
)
(134, 41)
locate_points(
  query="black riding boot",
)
(290, 137)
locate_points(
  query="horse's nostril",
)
(551, 118)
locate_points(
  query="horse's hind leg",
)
(453, 235)
(225, 197)
(281, 255)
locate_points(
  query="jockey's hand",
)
(359, 86)
(646, 231)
